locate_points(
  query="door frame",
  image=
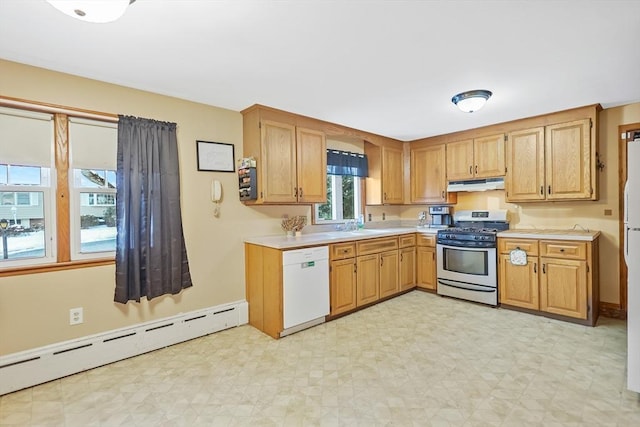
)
(622, 178)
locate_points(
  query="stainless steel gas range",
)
(467, 256)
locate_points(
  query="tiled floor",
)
(416, 360)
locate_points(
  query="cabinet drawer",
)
(342, 250)
(563, 249)
(373, 246)
(427, 240)
(407, 240)
(530, 246)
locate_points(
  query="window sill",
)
(46, 268)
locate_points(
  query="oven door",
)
(477, 266)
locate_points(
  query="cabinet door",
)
(392, 176)
(407, 268)
(426, 271)
(460, 160)
(525, 165)
(428, 175)
(563, 287)
(568, 160)
(488, 155)
(519, 283)
(368, 279)
(389, 266)
(343, 285)
(311, 166)
(278, 174)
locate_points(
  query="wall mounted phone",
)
(216, 196)
(216, 191)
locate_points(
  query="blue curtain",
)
(347, 163)
(151, 257)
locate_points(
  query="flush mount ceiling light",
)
(98, 11)
(472, 100)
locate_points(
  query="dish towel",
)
(518, 257)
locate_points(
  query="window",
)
(93, 152)
(345, 172)
(26, 201)
(53, 221)
(344, 200)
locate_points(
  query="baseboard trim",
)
(43, 364)
(614, 311)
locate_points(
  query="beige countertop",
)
(551, 234)
(324, 238)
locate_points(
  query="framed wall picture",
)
(215, 156)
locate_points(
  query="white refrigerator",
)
(632, 258)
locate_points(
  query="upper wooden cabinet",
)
(428, 175)
(476, 158)
(555, 162)
(385, 183)
(291, 161)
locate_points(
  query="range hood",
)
(476, 185)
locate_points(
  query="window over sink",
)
(345, 185)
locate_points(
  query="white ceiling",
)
(387, 67)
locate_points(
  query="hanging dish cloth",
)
(518, 257)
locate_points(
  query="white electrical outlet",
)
(76, 316)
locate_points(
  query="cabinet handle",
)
(544, 268)
(535, 267)
(541, 190)
(470, 169)
(476, 168)
(400, 257)
(562, 250)
(300, 192)
(443, 194)
(549, 189)
(295, 191)
(381, 261)
(384, 196)
(355, 267)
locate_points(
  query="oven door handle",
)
(479, 289)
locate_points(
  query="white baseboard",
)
(37, 366)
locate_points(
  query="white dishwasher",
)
(305, 288)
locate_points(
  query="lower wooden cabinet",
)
(426, 267)
(407, 268)
(343, 285)
(519, 283)
(365, 271)
(560, 277)
(389, 273)
(563, 287)
(368, 279)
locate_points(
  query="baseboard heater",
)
(37, 366)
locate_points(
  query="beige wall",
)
(34, 309)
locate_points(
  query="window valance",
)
(346, 163)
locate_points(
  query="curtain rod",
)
(6, 101)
